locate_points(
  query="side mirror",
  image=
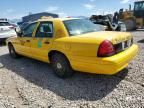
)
(18, 31)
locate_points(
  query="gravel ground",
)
(27, 83)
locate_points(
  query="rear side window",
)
(45, 29)
(28, 31)
(4, 24)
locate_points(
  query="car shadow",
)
(84, 86)
(141, 41)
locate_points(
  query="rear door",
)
(42, 41)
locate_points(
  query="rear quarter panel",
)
(75, 48)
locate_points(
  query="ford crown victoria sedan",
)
(71, 44)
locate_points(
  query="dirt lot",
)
(27, 83)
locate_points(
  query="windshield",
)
(80, 26)
(4, 24)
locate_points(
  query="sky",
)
(15, 9)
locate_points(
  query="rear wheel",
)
(61, 66)
(12, 51)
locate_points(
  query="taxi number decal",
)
(39, 44)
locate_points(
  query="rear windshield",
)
(4, 24)
(80, 26)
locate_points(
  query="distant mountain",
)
(15, 20)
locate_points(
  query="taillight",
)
(106, 49)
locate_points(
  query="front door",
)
(42, 41)
(26, 39)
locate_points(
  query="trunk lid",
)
(120, 40)
(114, 37)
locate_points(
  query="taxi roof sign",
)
(46, 17)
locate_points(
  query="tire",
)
(12, 51)
(61, 66)
(130, 24)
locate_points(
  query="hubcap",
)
(12, 51)
(59, 66)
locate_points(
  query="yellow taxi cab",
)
(71, 44)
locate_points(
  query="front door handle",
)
(27, 40)
(47, 42)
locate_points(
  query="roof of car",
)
(54, 19)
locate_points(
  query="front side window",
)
(45, 30)
(80, 26)
(28, 31)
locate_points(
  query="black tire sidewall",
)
(12, 52)
(66, 70)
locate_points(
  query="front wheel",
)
(12, 51)
(61, 66)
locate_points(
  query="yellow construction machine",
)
(133, 19)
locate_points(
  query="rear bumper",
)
(109, 65)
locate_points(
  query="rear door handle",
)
(27, 40)
(47, 42)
